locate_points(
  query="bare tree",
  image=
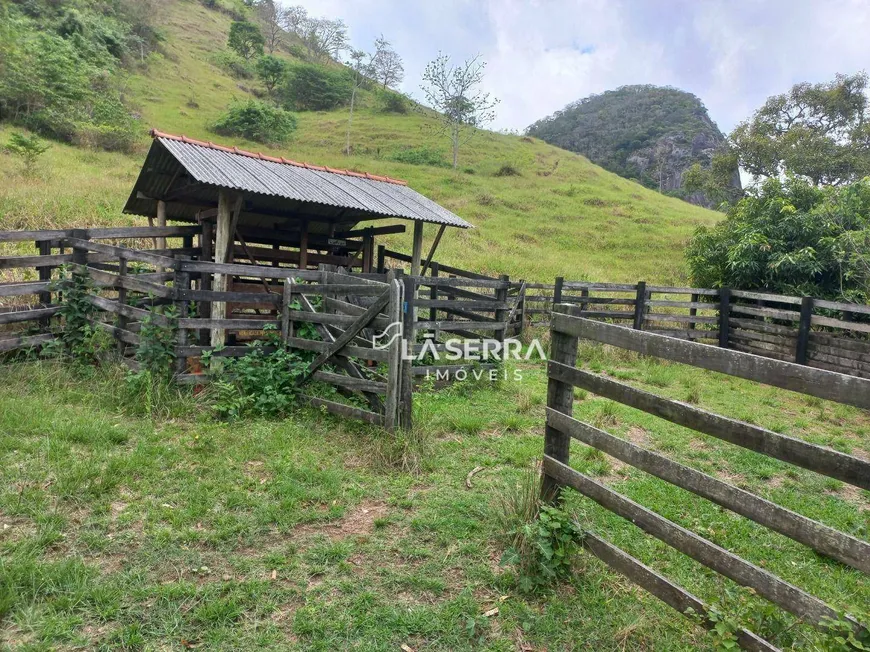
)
(361, 64)
(293, 19)
(272, 17)
(453, 92)
(324, 37)
(387, 64)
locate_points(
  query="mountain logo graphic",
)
(388, 336)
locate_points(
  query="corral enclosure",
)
(326, 288)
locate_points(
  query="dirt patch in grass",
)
(357, 521)
(15, 528)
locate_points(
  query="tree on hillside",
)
(324, 38)
(246, 39)
(453, 92)
(271, 71)
(387, 64)
(817, 131)
(360, 64)
(293, 19)
(790, 237)
(272, 17)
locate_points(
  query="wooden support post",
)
(223, 243)
(433, 294)
(640, 306)
(80, 256)
(557, 291)
(522, 298)
(409, 336)
(382, 254)
(803, 338)
(394, 352)
(121, 320)
(693, 312)
(44, 249)
(206, 244)
(303, 246)
(161, 221)
(182, 284)
(560, 397)
(501, 295)
(585, 294)
(417, 251)
(724, 316)
(367, 253)
(432, 250)
(286, 300)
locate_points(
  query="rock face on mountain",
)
(651, 134)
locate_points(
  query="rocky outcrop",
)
(647, 133)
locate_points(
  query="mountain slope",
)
(647, 133)
(561, 216)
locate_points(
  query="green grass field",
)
(561, 216)
(126, 530)
(122, 530)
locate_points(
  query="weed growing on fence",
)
(542, 538)
(157, 338)
(77, 337)
(260, 383)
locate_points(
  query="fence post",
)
(286, 300)
(500, 315)
(80, 256)
(394, 354)
(724, 315)
(640, 305)
(181, 282)
(408, 335)
(382, 255)
(803, 338)
(557, 292)
(121, 320)
(44, 249)
(560, 397)
(522, 308)
(692, 313)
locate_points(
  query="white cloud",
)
(543, 54)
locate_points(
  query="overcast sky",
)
(543, 54)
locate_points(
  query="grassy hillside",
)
(561, 216)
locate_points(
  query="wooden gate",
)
(561, 427)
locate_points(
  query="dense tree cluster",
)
(62, 67)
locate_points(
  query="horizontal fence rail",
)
(567, 329)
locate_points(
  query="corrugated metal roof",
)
(362, 194)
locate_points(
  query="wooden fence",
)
(344, 311)
(451, 302)
(566, 329)
(823, 334)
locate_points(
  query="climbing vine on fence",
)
(77, 333)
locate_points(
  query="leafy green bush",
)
(271, 71)
(233, 64)
(257, 121)
(393, 102)
(260, 383)
(420, 156)
(77, 335)
(791, 238)
(310, 87)
(507, 170)
(246, 39)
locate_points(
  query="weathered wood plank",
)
(123, 252)
(14, 262)
(826, 540)
(794, 377)
(228, 324)
(776, 590)
(23, 289)
(782, 447)
(234, 297)
(697, 305)
(488, 306)
(446, 281)
(25, 342)
(18, 316)
(819, 320)
(461, 325)
(333, 319)
(252, 271)
(772, 313)
(344, 410)
(351, 383)
(671, 594)
(680, 319)
(762, 296)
